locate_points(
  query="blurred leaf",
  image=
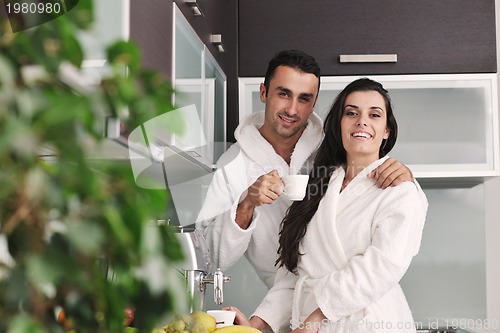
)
(72, 50)
(21, 49)
(86, 237)
(27, 102)
(127, 90)
(35, 186)
(25, 324)
(82, 16)
(20, 137)
(48, 267)
(124, 53)
(7, 78)
(118, 226)
(15, 289)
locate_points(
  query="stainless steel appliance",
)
(197, 267)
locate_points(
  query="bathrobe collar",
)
(360, 184)
(261, 151)
(336, 202)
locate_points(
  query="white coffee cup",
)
(223, 317)
(294, 186)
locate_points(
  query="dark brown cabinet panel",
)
(151, 29)
(428, 36)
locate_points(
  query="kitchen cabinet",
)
(428, 37)
(220, 18)
(198, 79)
(183, 162)
(152, 29)
(448, 124)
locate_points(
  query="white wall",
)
(492, 217)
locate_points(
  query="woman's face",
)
(364, 125)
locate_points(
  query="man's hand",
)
(391, 173)
(264, 191)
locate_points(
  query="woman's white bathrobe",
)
(357, 247)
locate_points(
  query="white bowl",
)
(223, 317)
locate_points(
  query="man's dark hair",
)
(295, 59)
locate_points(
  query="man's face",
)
(289, 102)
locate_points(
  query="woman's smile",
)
(362, 135)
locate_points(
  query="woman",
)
(345, 247)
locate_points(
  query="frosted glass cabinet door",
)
(187, 66)
(215, 100)
(448, 124)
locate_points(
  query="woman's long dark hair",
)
(330, 155)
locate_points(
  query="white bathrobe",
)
(238, 168)
(356, 249)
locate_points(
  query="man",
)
(244, 206)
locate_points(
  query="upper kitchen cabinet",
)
(152, 28)
(447, 123)
(217, 29)
(199, 82)
(415, 37)
(218, 17)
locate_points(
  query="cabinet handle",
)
(346, 58)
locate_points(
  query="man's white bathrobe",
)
(356, 249)
(238, 168)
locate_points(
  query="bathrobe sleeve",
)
(217, 219)
(276, 307)
(423, 199)
(396, 234)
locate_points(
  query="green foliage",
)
(67, 217)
